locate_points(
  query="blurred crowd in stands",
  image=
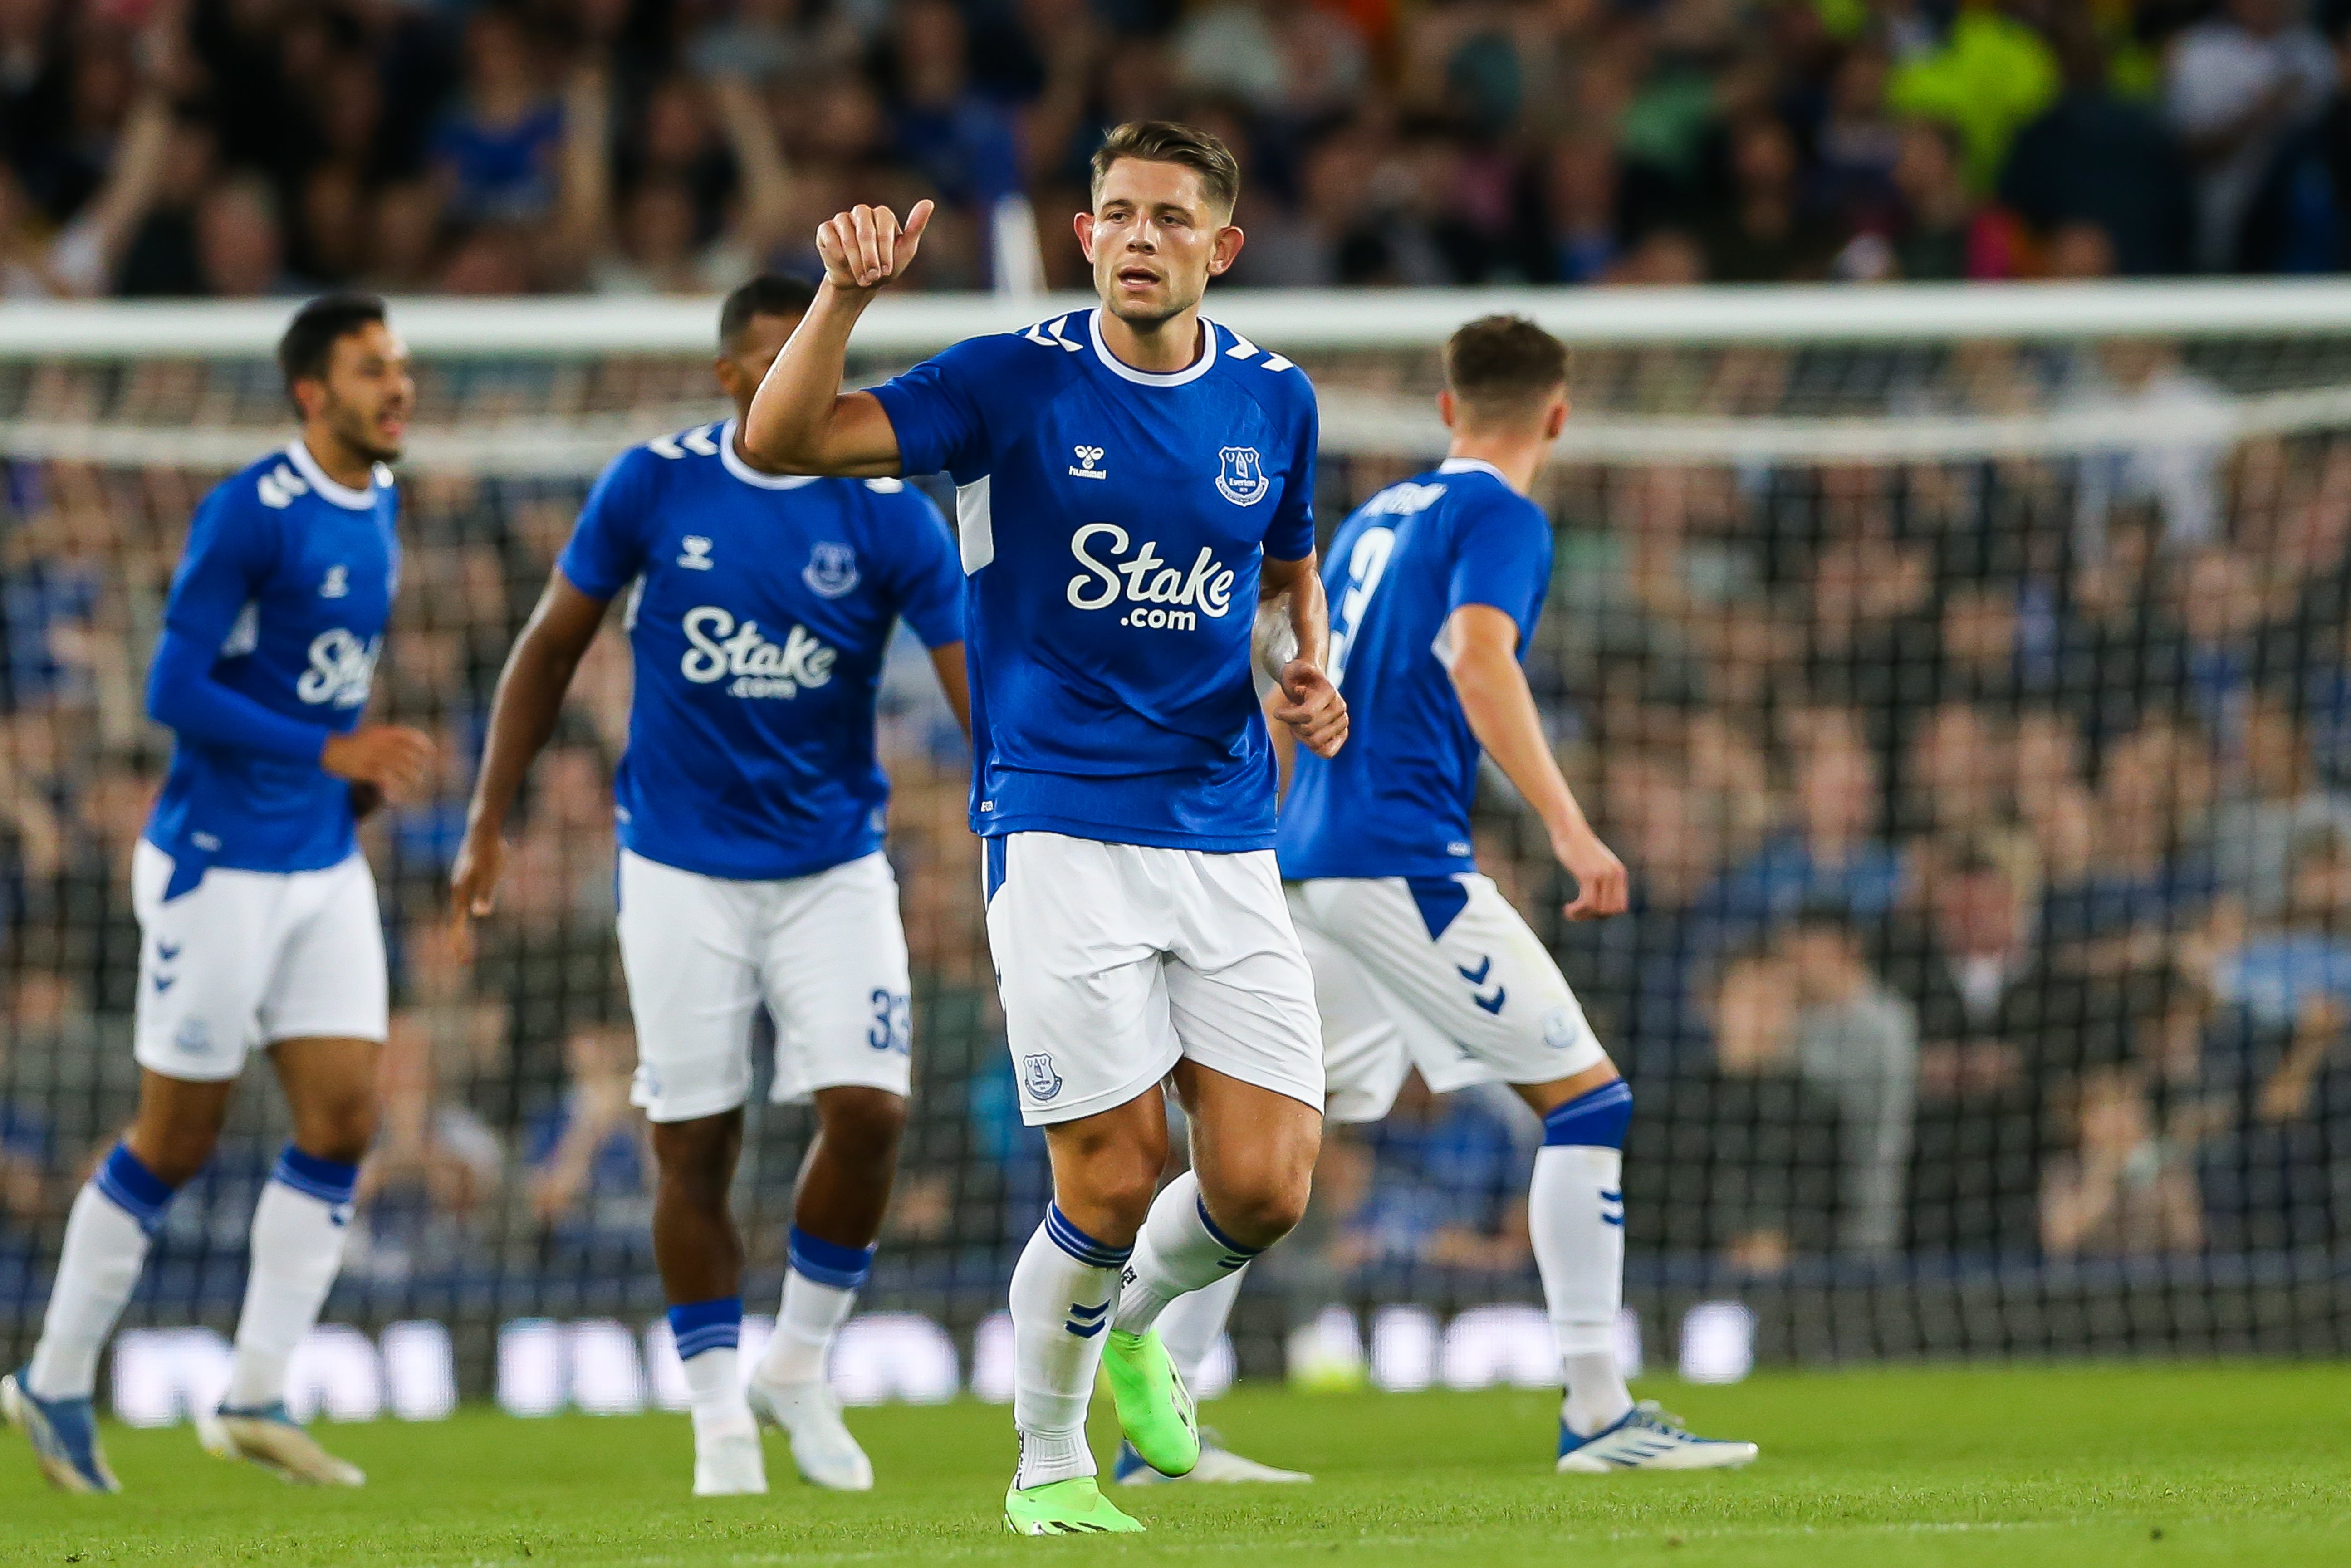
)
(243, 148)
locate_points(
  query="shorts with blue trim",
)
(1116, 961)
(239, 959)
(1438, 973)
(824, 954)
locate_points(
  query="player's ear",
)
(1555, 417)
(729, 373)
(1447, 411)
(1083, 225)
(1226, 249)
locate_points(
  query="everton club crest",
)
(1241, 479)
(831, 569)
(1037, 1076)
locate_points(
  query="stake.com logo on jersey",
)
(1167, 596)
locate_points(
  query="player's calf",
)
(845, 1189)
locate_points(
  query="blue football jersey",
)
(762, 609)
(1112, 524)
(291, 577)
(1395, 800)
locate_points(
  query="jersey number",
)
(1366, 564)
(892, 1030)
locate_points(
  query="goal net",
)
(1964, 674)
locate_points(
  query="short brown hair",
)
(1504, 366)
(1166, 141)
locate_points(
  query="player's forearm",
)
(791, 425)
(1501, 712)
(182, 697)
(1309, 619)
(522, 719)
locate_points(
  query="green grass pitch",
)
(2137, 1465)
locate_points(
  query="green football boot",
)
(1154, 1408)
(1073, 1506)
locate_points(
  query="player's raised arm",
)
(1294, 646)
(800, 421)
(1481, 643)
(529, 699)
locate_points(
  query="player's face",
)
(1155, 239)
(745, 364)
(367, 394)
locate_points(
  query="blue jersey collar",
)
(1120, 368)
(342, 495)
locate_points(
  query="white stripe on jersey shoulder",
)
(307, 476)
(1191, 372)
(1243, 348)
(1470, 465)
(975, 524)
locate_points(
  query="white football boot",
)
(1646, 1438)
(822, 1449)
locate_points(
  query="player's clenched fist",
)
(393, 757)
(864, 247)
(1311, 706)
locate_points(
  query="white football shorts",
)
(1448, 980)
(247, 958)
(1116, 960)
(825, 954)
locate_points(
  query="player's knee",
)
(174, 1150)
(1116, 1183)
(1259, 1213)
(862, 1126)
(696, 1161)
(338, 1126)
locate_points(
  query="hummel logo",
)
(1087, 458)
(1476, 976)
(697, 553)
(1087, 1322)
(166, 982)
(166, 951)
(338, 584)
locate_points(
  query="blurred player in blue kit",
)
(1419, 962)
(1133, 502)
(750, 809)
(256, 911)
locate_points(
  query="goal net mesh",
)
(1975, 717)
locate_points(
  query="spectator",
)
(1991, 76)
(435, 1164)
(1829, 855)
(2095, 157)
(80, 259)
(588, 1156)
(1858, 1041)
(1987, 1007)
(496, 152)
(40, 1006)
(1941, 238)
(1582, 200)
(1763, 235)
(2235, 88)
(1446, 1189)
(2301, 954)
(2282, 802)
(240, 243)
(2119, 1190)
(1752, 1158)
